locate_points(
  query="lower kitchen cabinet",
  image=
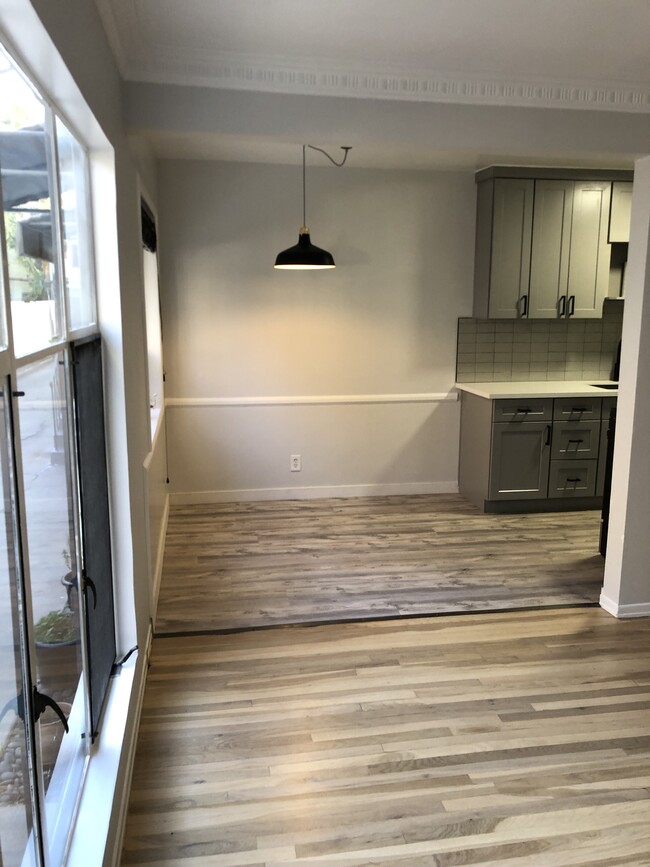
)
(519, 460)
(543, 454)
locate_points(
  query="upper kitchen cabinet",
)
(619, 218)
(569, 268)
(542, 246)
(503, 244)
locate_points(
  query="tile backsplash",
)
(505, 350)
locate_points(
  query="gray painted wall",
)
(382, 324)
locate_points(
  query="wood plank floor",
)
(506, 738)
(241, 565)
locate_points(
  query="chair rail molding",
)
(310, 400)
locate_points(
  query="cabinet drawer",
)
(572, 479)
(577, 408)
(575, 440)
(523, 409)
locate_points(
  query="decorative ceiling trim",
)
(139, 59)
(242, 73)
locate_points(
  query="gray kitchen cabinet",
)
(569, 271)
(572, 478)
(609, 403)
(520, 454)
(620, 210)
(549, 269)
(577, 408)
(503, 244)
(542, 236)
(522, 409)
(575, 439)
(519, 460)
(589, 255)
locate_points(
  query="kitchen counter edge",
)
(547, 388)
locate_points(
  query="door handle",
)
(572, 305)
(87, 582)
(547, 435)
(523, 306)
(561, 304)
(42, 702)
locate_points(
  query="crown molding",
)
(242, 72)
(140, 59)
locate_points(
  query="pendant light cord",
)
(304, 175)
(304, 197)
(331, 159)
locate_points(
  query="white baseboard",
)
(638, 609)
(187, 498)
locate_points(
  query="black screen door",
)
(95, 521)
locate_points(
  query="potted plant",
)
(57, 638)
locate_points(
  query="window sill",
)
(90, 836)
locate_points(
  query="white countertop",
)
(550, 388)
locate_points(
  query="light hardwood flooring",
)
(242, 565)
(516, 738)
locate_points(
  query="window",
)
(76, 226)
(48, 297)
(152, 314)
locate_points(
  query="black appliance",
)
(617, 363)
(609, 459)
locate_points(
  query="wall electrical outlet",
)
(295, 462)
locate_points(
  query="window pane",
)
(46, 465)
(15, 802)
(75, 207)
(27, 192)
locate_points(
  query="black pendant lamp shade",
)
(305, 256)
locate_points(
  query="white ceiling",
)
(585, 54)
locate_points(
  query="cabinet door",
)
(519, 460)
(619, 215)
(590, 253)
(512, 221)
(549, 266)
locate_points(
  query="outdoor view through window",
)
(47, 299)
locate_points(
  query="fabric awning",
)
(23, 164)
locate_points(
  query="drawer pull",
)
(579, 409)
(574, 480)
(524, 409)
(576, 441)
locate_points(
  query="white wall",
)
(626, 588)
(247, 348)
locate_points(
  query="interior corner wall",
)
(626, 587)
(351, 369)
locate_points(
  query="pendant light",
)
(305, 256)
